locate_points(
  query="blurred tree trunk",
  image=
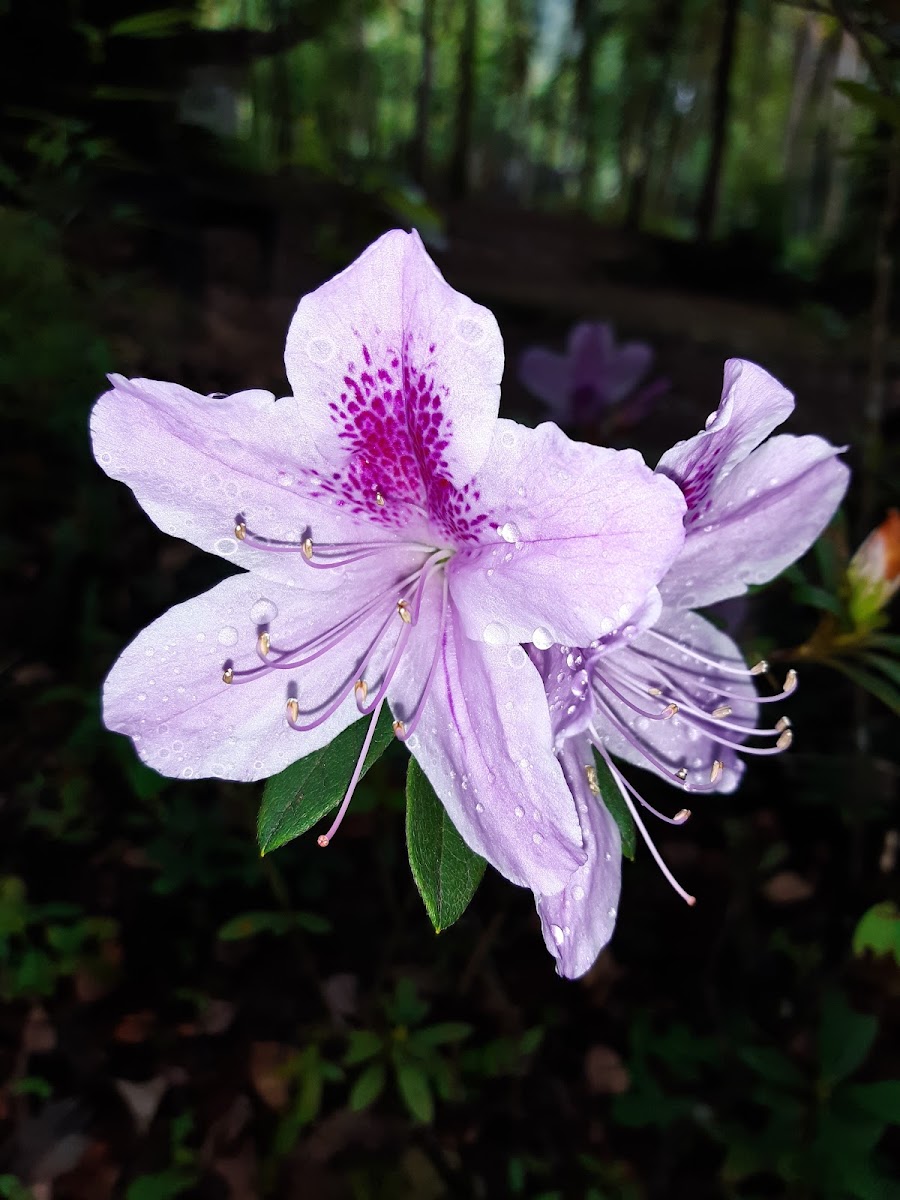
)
(660, 47)
(419, 164)
(709, 196)
(465, 103)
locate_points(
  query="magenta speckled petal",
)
(580, 537)
(579, 921)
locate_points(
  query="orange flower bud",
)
(874, 572)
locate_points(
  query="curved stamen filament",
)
(686, 896)
(678, 777)
(718, 664)
(679, 818)
(702, 681)
(407, 728)
(325, 838)
(663, 715)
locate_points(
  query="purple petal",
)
(759, 519)
(753, 404)
(166, 690)
(548, 376)
(591, 351)
(484, 742)
(579, 921)
(391, 364)
(195, 462)
(583, 535)
(677, 743)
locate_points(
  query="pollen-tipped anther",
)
(240, 530)
(669, 711)
(361, 690)
(263, 643)
(681, 816)
(682, 773)
(759, 668)
(322, 840)
(790, 682)
(592, 781)
(785, 739)
(715, 771)
(307, 549)
(654, 691)
(403, 610)
(399, 728)
(379, 499)
(723, 710)
(293, 710)
(783, 723)
(228, 675)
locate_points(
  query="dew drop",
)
(479, 807)
(520, 811)
(516, 657)
(537, 839)
(509, 532)
(142, 695)
(558, 936)
(226, 546)
(542, 638)
(320, 349)
(263, 612)
(228, 635)
(284, 479)
(187, 772)
(578, 892)
(495, 634)
(611, 912)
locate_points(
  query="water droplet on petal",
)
(226, 546)
(516, 657)
(537, 839)
(509, 532)
(495, 634)
(228, 635)
(558, 935)
(479, 807)
(578, 892)
(263, 612)
(611, 912)
(542, 638)
(520, 811)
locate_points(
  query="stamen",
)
(406, 731)
(293, 709)
(759, 668)
(620, 780)
(592, 780)
(669, 711)
(403, 610)
(783, 723)
(228, 675)
(263, 644)
(325, 838)
(716, 771)
(379, 499)
(308, 549)
(361, 688)
(240, 530)
(681, 816)
(682, 773)
(785, 740)
(701, 680)
(723, 710)
(398, 729)
(717, 663)
(790, 682)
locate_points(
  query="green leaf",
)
(162, 1186)
(368, 1087)
(879, 688)
(879, 931)
(616, 806)
(888, 666)
(306, 791)
(251, 923)
(446, 871)
(415, 1090)
(12, 1188)
(160, 23)
(881, 1100)
(886, 108)
(439, 1035)
(772, 1066)
(845, 1038)
(363, 1044)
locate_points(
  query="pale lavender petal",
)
(753, 404)
(583, 534)
(196, 462)
(683, 741)
(389, 362)
(484, 742)
(548, 376)
(579, 921)
(166, 690)
(760, 518)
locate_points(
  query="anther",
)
(785, 739)
(293, 710)
(403, 610)
(307, 549)
(322, 840)
(379, 499)
(263, 642)
(790, 681)
(759, 668)
(783, 723)
(716, 770)
(669, 711)
(654, 691)
(398, 728)
(681, 816)
(592, 780)
(682, 774)
(361, 689)
(228, 675)
(240, 530)
(724, 710)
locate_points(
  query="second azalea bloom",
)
(595, 381)
(667, 690)
(399, 545)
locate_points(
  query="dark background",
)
(183, 1018)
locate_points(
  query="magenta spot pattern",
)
(390, 419)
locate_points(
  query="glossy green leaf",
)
(309, 789)
(362, 1045)
(879, 931)
(368, 1087)
(414, 1088)
(611, 796)
(446, 871)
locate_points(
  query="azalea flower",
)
(593, 377)
(400, 544)
(667, 690)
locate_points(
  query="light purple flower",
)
(666, 690)
(593, 377)
(400, 543)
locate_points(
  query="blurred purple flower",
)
(400, 544)
(666, 690)
(594, 377)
